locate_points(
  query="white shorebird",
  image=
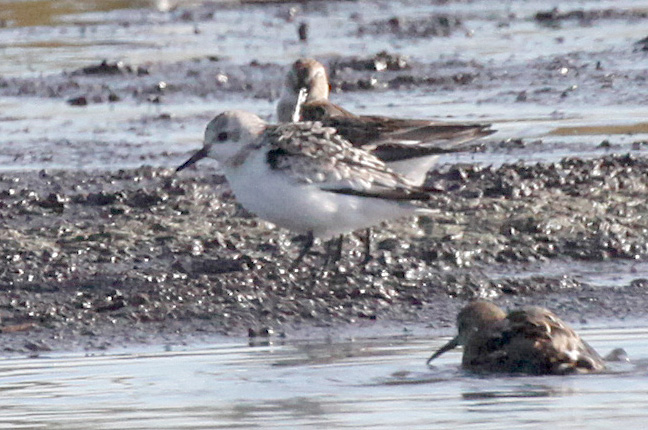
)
(305, 177)
(409, 146)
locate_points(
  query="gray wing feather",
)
(311, 153)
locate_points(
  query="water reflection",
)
(378, 383)
(47, 12)
(524, 392)
(640, 127)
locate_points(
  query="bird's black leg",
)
(337, 251)
(310, 239)
(333, 251)
(367, 248)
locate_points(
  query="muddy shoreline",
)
(99, 259)
(96, 253)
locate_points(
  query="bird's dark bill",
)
(194, 158)
(445, 348)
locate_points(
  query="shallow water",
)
(365, 383)
(608, 274)
(378, 383)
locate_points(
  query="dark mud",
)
(424, 27)
(99, 259)
(604, 77)
(587, 17)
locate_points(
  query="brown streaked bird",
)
(410, 146)
(531, 340)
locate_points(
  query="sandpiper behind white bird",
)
(409, 146)
(306, 177)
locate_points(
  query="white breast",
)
(300, 207)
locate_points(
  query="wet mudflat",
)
(94, 258)
(99, 251)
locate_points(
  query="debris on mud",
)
(105, 68)
(424, 27)
(379, 62)
(587, 17)
(642, 45)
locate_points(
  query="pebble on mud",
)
(78, 101)
(302, 32)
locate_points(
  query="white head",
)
(226, 134)
(307, 74)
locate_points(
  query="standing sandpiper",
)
(305, 177)
(409, 146)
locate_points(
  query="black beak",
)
(197, 156)
(445, 348)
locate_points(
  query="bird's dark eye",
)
(222, 136)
